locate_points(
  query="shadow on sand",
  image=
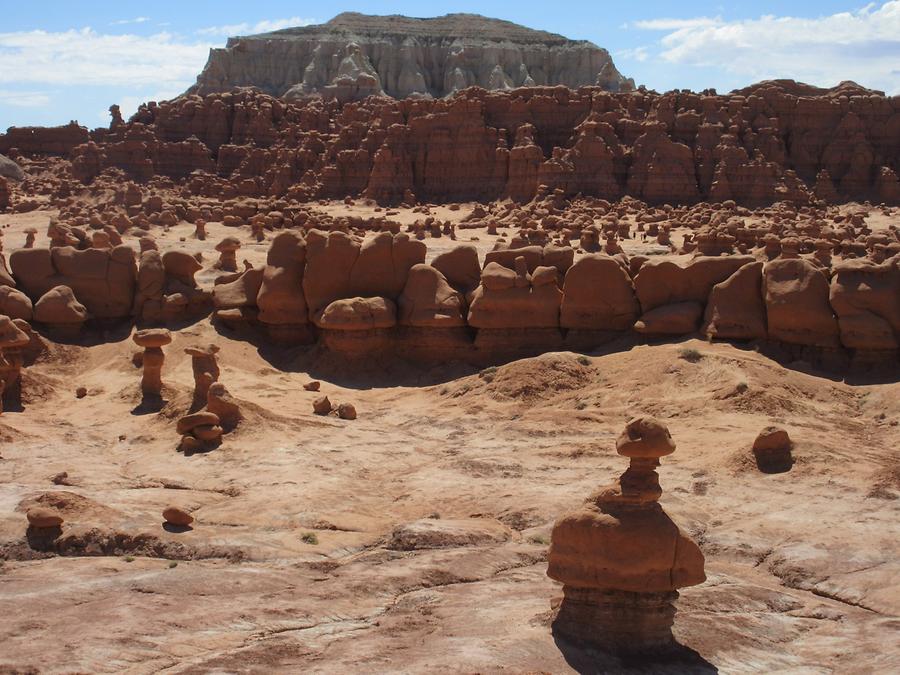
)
(677, 660)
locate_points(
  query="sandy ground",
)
(803, 566)
(290, 564)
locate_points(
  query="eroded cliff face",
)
(355, 55)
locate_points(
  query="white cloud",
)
(123, 22)
(24, 99)
(264, 26)
(675, 24)
(863, 45)
(85, 57)
(639, 54)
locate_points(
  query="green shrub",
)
(690, 355)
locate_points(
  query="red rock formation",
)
(797, 307)
(769, 145)
(598, 295)
(866, 299)
(43, 140)
(5, 194)
(103, 280)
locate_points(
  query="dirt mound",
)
(537, 379)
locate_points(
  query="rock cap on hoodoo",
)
(152, 337)
(645, 437)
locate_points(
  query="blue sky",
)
(63, 60)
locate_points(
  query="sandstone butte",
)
(366, 328)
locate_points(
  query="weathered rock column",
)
(227, 249)
(205, 368)
(620, 558)
(11, 341)
(152, 340)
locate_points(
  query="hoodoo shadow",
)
(676, 660)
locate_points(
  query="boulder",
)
(223, 405)
(661, 281)
(322, 406)
(428, 300)
(346, 411)
(598, 295)
(9, 169)
(797, 306)
(181, 266)
(735, 310)
(174, 515)
(280, 298)
(43, 518)
(15, 304)
(514, 299)
(240, 292)
(866, 299)
(680, 318)
(59, 307)
(338, 267)
(358, 314)
(460, 267)
(772, 450)
(189, 422)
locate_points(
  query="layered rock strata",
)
(355, 55)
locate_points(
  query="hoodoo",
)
(620, 558)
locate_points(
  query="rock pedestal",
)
(152, 340)
(205, 368)
(621, 559)
(12, 340)
(227, 249)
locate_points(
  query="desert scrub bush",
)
(488, 374)
(539, 539)
(741, 387)
(690, 355)
(583, 360)
(310, 538)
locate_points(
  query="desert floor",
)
(293, 562)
